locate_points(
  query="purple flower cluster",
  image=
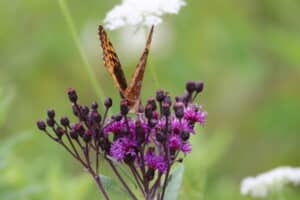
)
(148, 142)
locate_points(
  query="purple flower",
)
(186, 147)
(123, 147)
(175, 142)
(194, 113)
(154, 161)
(181, 125)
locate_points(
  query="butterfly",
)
(112, 63)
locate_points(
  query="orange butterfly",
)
(111, 61)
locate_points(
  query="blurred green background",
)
(247, 52)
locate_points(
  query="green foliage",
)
(174, 183)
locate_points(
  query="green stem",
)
(66, 13)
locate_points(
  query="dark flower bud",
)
(59, 132)
(50, 122)
(124, 108)
(78, 128)
(94, 105)
(51, 113)
(72, 95)
(160, 95)
(199, 86)
(161, 137)
(108, 102)
(148, 111)
(152, 102)
(179, 110)
(87, 136)
(84, 110)
(96, 117)
(165, 109)
(190, 86)
(185, 135)
(140, 132)
(64, 121)
(150, 174)
(74, 134)
(41, 125)
(168, 100)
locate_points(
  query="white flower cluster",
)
(263, 184)
(141, 12)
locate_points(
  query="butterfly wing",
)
(132, 93)
(112, 62)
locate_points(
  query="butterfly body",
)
(112, 63)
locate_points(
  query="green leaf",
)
(114, 189)
(174, 183)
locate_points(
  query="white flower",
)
(263, 184)
(135, 39)
(141, 12)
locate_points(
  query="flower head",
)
(141, 12)
(123, 148)
(261, 185)
(154, 161)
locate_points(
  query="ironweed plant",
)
(149, 143)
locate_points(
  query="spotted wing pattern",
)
(112, 62)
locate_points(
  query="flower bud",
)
(199, 86)
(87, 136)
(94, 105)
(190, 86)
(72, 95)
(148, 111)
(108, 102)
(179, 110)
(50, 122)
(51, 113)
(152, 102)
(41, 125)
(168, 100)
(160, 95)
(140, 132)
(59, 132)
(84, 110)
(64, 121)
(96, 117)
(185, 135)
(165, 109)
(74, 134)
